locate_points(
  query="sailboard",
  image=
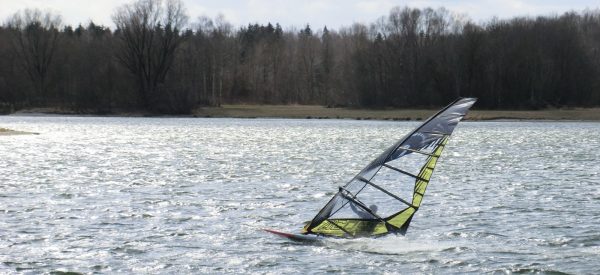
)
(384, 196)
(297, 237)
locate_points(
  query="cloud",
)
(374, 7)
(318, 13)
(72, 12)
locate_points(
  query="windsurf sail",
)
(385, 195)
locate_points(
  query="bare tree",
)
(149, 31)
(308, 46)
(35, 36)
(413, 57)
(215, 50)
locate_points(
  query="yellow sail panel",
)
(426, 172)
(350, 228)
(401, 218)
(418, 196)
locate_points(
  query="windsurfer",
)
(363, 214)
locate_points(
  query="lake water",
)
(189, 195)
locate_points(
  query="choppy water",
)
(179, 195)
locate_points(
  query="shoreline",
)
(10, 132)
(321, 112)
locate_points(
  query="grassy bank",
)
(304, 111)
(314, 111)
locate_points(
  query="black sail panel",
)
(371, 203)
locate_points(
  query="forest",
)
(157, 60)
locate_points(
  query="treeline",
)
(157, 61)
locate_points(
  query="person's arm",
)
(360, 212)
(355, 209)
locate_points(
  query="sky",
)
(317, 13)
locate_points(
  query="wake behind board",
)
(295, 236)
